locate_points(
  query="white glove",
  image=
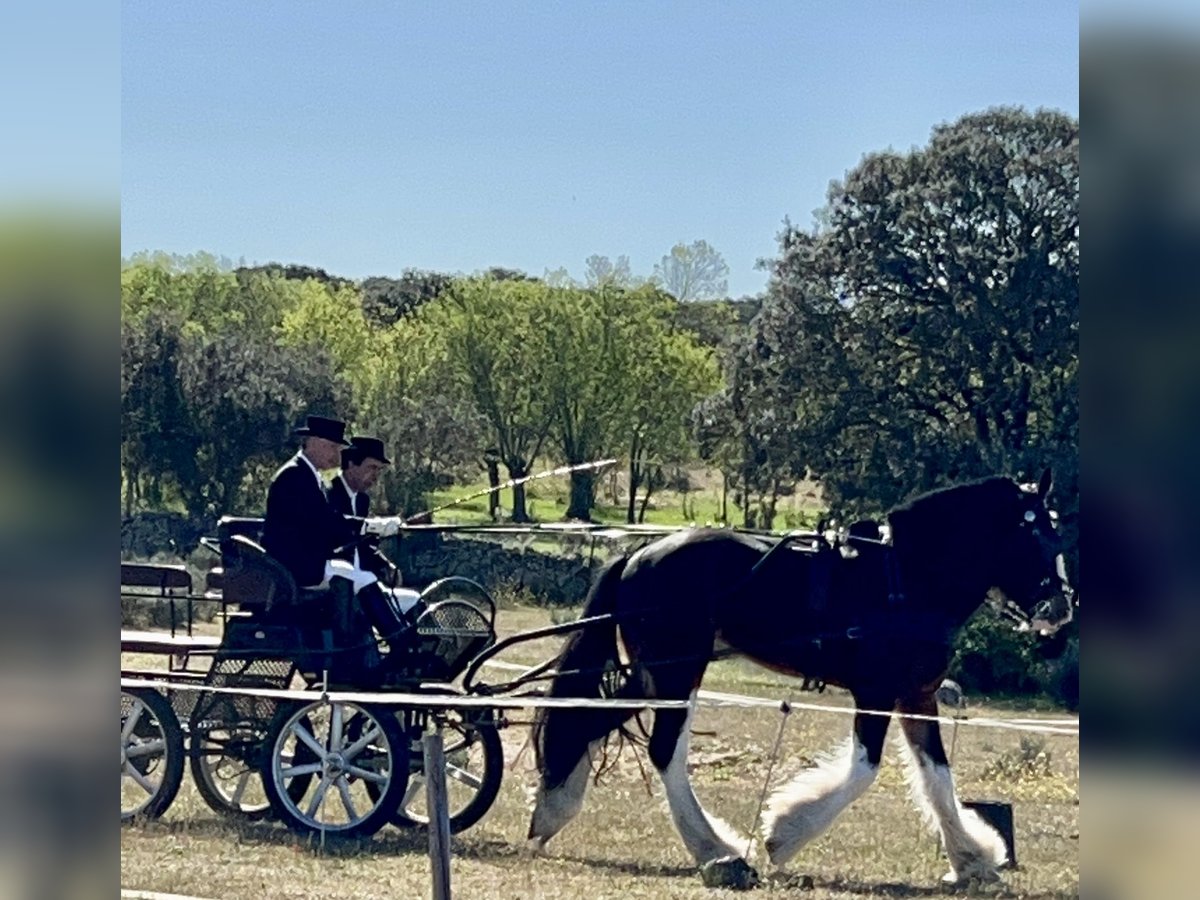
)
(384, 526)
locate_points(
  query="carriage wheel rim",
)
(465, 773)
(341, 761)
(135, 747)
(212, 760)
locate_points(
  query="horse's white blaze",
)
(556, 807)
(974, 848)
(807, 806)
(706, 837)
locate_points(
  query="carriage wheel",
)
(151, 754)
(350, 760)
(474, 770)
(226, 766)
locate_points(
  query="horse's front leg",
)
(974, 848)
(806, 807)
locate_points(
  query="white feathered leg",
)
(974, 848)
(808, 805)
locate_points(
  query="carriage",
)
(221, 706)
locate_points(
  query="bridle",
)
(1047, 586)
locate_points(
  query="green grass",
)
(547, 499)
(623, 843)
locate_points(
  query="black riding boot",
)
(377, 605)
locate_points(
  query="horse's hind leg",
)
(570, 739)
(808, 805)
(706, 837)
(557, 803)
(974, 848)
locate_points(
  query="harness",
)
(895, 618)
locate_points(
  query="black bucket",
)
(1000, 816)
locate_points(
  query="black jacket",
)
(302, 530)
(339, 499)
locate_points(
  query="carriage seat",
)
(252, 578)
(248, 575)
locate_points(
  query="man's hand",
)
(383, 526)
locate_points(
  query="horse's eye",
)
(1030, 515)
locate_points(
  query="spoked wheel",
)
(151, 754)
(227, 768)
(337, 768)
(474, 769)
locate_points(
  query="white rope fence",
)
(717, 699)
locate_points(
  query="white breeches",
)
(401, 599)
(339, 568)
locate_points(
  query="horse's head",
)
(1031, 581)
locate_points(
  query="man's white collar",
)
(309, 463)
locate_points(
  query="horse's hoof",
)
(535, 846)
(729, 872)
(953, 881)
(775, 852)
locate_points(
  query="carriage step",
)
(180, 675)
(162, 642)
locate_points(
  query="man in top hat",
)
(362, 464)
(302, 530)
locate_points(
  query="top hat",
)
(366, 448)
(321, 427)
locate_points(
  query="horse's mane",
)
(946, 516)
(941, 501)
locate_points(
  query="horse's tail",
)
(586, 668)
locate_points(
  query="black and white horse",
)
(878, 620)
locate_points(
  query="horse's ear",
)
(1043, 488)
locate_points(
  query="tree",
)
(692, 272)
(927, 331)
(407, 397)
(387, 300)
(295, 273)
(244, 396)
(330, 319)
(715, 323)
(669, 376)
(211, 382)
(157, 440)
(603, 272)
(500, 273)
(559, 278)
(494, 336)
(600, 342)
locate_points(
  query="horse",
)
(878, 620)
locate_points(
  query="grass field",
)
(624, 845)
(546, 501)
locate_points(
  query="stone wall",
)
(555, 575)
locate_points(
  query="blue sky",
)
(366, 138)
